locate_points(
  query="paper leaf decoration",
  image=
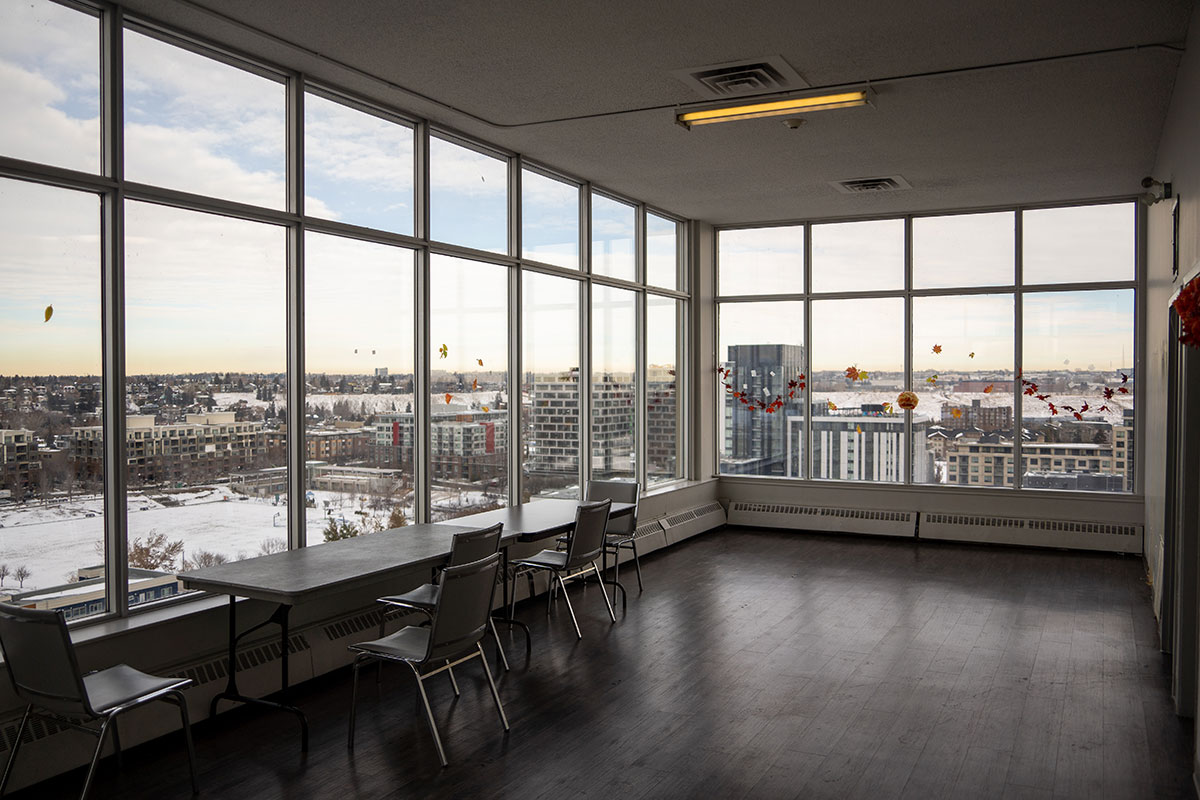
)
(49, 313)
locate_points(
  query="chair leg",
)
(571, 608)
(453, 682)
(116, 737)
(178, 699)
(637, 564)
(604, 592)
(499, 646)
(358, 661)
(492, 685)
(437, 740)
(91, 773)
(12, 756)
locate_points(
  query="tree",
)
(204, 558)
(337, 530)
(154, 553)
(22, 573)
(397, 519)
(275, 544)
(4, 573)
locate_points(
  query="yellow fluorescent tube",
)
(774, 108)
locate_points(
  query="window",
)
(614, 382)
(51, 441)
(857, 373)
(613, 238)
(1074, 298)
(549, 220)
(469, 382)
(762, 351)
(550, 423)
(205, 361)
(202, 126)
(662, 251)
(663, 429)
(359, 431)
(358, 167)
(468, 197)
(50, 56)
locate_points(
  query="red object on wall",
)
(396, 433)
(490, 427)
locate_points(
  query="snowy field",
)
(53, 541)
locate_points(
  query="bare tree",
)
(204, 558)
(154, 553)
(4, 573)
(275, 544)
(21, 574)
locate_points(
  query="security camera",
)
(1147, 182)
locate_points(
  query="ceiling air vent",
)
(889, 183)
(767, 75)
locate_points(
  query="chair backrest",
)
(471, 546)
(618, 492)
(587, 539)
(461, 615)
(41, 660)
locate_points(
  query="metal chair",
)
(45, 675)
(464, 548)
(460, 618)
(584, 544)
(622, 531)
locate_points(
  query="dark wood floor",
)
(762, 665)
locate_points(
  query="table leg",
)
(231, 692)
(613, 583)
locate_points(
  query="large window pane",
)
(358, 335)
(51, 443)
(662, 251)
(468, 197)
(549, 219)
(858, 256)
(205, 362)
(358, 167)
(1078, 244)
(761, 352)
(613, 238)
(761, 260)
(202, 126)
(550, 425)
(964, 250)
(962, 364)
(857, 425)
(468, 303)
(1077, 391)
(663, 433)
(614, 382)
(50, 85)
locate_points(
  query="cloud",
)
(35, 130)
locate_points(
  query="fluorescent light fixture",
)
(774, 108)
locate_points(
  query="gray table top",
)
(293, 576)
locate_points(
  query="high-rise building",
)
(756, 442)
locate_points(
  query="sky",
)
(207, 293)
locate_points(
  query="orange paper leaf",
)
(831, 406)
(479, 361)
(449, 397)
(443, 351)
(988, 389)
(937, 348)
(485, 409)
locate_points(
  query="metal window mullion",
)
(112, 234)
(641, 359)
(295, 441)
(516, 476)
(807, 462)
(1139, 346)
(1018, 345)
(909, 448)
(422, 463)
(585, 338)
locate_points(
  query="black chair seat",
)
(405, 644)
(116, 686)
(424, 596)
(547, 559)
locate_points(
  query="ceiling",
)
(977, 103)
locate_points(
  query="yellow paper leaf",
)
(443, 351)
(485, 409)
(971, 354)
(49, 313)
(480, 360)
(475, 385)
(858, 428)
(832, 407)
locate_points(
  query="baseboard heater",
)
(823, 518)
(1074, 535)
